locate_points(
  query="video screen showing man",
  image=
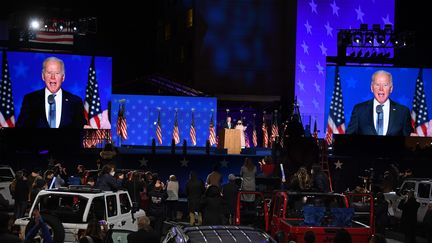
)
(52, 106)
(380, 115)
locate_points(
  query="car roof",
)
(226, 233)
(80, 190)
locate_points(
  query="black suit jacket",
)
(225, 125)
(362, 122)
(33, 115)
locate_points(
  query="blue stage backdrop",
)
(142, 114)
(356, 80)
(25, 70)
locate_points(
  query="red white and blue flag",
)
(336, 118)
(7, 114)
(419, 112)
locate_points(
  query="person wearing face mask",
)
(52, 106)
(381, 115)
(106, 180)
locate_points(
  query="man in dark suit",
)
(52, 107)
(228, 123)
(380, 116)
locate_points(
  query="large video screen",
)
(25, 73)
(356, 86)
(142, 111)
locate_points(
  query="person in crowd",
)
(381, 214)
(172, 200)
(427, 222)
(145, 232)
(21, 194)
(39, 226)
(156, 210)
(52, 106)
(228, 124)
(214, 208)
(106, 180)
(409, 207)
(248, 172)
(267, 166)
(39, 185)
(229, 194)
(309, 237)
(301, 180)
(342, 236)
(94, 233)
(194, 191)
(80, 173)
(91, 182)
(215, 177)
(5, 235)
(119, 176)
(380, 115)
(35, 174)
(135, 185)
(320, 179)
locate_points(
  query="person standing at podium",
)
(242, 129)
(52, 107)
(228, 124)
(380, 116)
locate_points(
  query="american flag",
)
(159, 130)
(265, 133)
(212, 135)
(92, 103)
(121, 122)
(336, 119)
(176, 133)
(254, 135)
(247, 142)
(274, 130)
(315, 131)
(419, 113)
(51, 38)
(7, 114)
(192, 132)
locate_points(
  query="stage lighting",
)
(357, 38)
(369, 38)
(381, 38)
(34, 24)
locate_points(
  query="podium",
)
(230, 139)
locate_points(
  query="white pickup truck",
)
(68, 210)
(422, 191)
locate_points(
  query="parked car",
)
(220, 233)
(68, 210)
(7, 175)
(422, 188)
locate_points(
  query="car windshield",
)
(6, 174)
(68, 208)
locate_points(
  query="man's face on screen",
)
(53, 75)
(381, 87)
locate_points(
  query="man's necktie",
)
(52, 111)
(380, 120)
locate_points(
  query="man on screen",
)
(380, 116)
(52, 107)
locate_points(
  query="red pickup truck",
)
(291, 214)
